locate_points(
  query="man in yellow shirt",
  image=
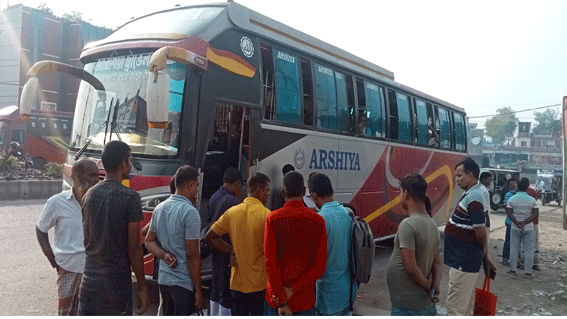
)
(244, 223)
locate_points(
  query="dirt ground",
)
(546, 294)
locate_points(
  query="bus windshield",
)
(122, 114)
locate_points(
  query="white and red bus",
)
(221, 85)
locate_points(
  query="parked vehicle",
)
(499, 186)
(549, 187)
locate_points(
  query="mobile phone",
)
(433, 293)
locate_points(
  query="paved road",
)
(28, 283)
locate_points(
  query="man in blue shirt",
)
(512, 186)
(333, 288)
(174, 238)
(223, 199)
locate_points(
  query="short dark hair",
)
(257, 180)
(523, 184)
(113, 154)
(293, 183)
(287, 168)
(415, 185)
(510, 180)
(320, 184)
(172, 185)
(185, 174)
(232, 175)
(484, 175)
(469, 166)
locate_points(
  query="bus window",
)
(307, 93)
(362, 121)
(342, 103)
(432, 128)
(375, 110)
(2, 133)
(268, 82)
(326, 97)
(460, 137)
(404, 119)
(288, 87)
(346, 121)
(393, 114)
(445, 129)
(18, 136)
(422, 123)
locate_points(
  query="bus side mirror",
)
(27, 100)
(158, 100)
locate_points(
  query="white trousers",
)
(461, 289)
(218, 310)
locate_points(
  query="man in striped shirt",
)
(466, 240)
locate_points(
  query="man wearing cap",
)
(224, 198)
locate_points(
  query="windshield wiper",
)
(103, 126)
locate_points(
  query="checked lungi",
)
(68, 285)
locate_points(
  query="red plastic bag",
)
(484, 300)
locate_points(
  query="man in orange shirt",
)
(295, 246)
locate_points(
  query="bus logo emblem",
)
(247, 47)
(299, 158)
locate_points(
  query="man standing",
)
(511, 185)
(485, 182)
(63, 211)
(223, 199)
(174, 239)
(533, 193)
(245, 223)
(466, 240)
(111, 222)
(295, 245)
(335, 286)
(522, 210)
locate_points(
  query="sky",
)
(479, 55)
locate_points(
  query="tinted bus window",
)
(375, 110)
(288, 87)
(326, 97)
(342, 102)
(361, 124)
(307, 92)
(445, 128)
(422, 120)
(404, 132)
(460, 138)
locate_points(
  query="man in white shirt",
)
(63, 213)
(485, 181)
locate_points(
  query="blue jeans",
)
(506, 247)
(527, 237)
(344, 312)
(429, 311)
(271, 311)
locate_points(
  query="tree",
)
(74, 16)
(43, 7)
(548, 123)
(501, 127)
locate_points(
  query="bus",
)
(219, 85)
(43, 138)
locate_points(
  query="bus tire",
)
(558, 202)
(38, 162)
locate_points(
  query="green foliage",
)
(9, 163)
(54, 169)
(501, 126)
(74, 16)
(549, 123)
(43, 7)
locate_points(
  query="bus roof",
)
(254, 22)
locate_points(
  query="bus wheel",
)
(38, 162)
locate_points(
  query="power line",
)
(537, 108)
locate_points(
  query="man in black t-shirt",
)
(111, 220)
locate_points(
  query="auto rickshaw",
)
(549, 187)
(499, 186)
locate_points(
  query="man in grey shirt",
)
(174, 238)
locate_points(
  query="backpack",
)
(362, 250)
(204, 248)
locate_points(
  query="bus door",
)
(229, 145)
